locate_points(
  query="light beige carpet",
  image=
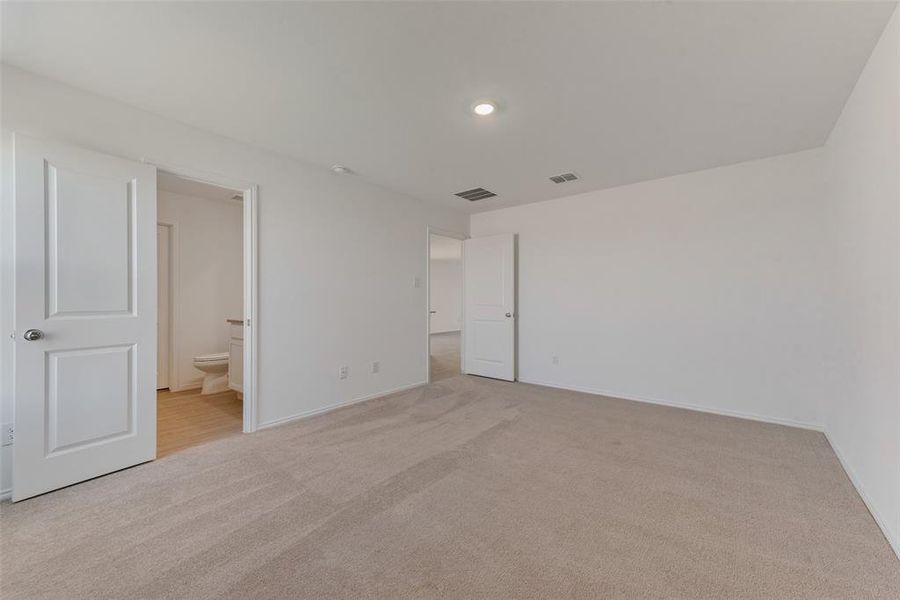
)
(468, 488)
(444, 355)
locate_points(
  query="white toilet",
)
(215, 372)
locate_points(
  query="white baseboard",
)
(5, 494)
(882, 524)
(445, 331)
(704, 409)
(193, 385)
(325, 409)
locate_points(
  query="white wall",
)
(324, 242)
(446, 294)
(209, 271)
(863, 175)
(705, 290)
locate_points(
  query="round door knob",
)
(508, 314)
(33, 335)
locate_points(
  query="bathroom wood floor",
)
(185, 419)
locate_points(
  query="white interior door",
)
(162, 304)
(85, 315)
(490, 306)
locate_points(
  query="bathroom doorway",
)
(445, 305)
(206, 292)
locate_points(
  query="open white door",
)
(490, 306)
(85, 315)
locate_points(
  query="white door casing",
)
(490, 306)
(162, 305)
(85, 276)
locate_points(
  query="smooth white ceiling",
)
(445, 248)
(616, 91)
(168, 182)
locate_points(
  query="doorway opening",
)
(445, 305)
(201, 313)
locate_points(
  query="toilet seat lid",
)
(211, 357)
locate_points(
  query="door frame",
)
(250, 191)
(429, 231)
(173, 293)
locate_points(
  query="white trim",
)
(251, 278)
(429, 231)
(192, 385)
(319, 411)
(250, 381)
(694, 407)
(7, 289)
(212, 178)
(173, 300)
(882, 524)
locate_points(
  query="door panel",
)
(487, 277)
(76, 420)
(490, 306)
(86, 278)
(90, 227)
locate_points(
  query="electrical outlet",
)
(376, 366)
(9, 434)
(417, 282)
(343, 372)
(555, 360)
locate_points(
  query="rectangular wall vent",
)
(475, 194)
(564, 178)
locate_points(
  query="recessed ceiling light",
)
(341, 170)
(483, 109)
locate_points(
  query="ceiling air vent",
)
(564, 178)
(475, 194)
